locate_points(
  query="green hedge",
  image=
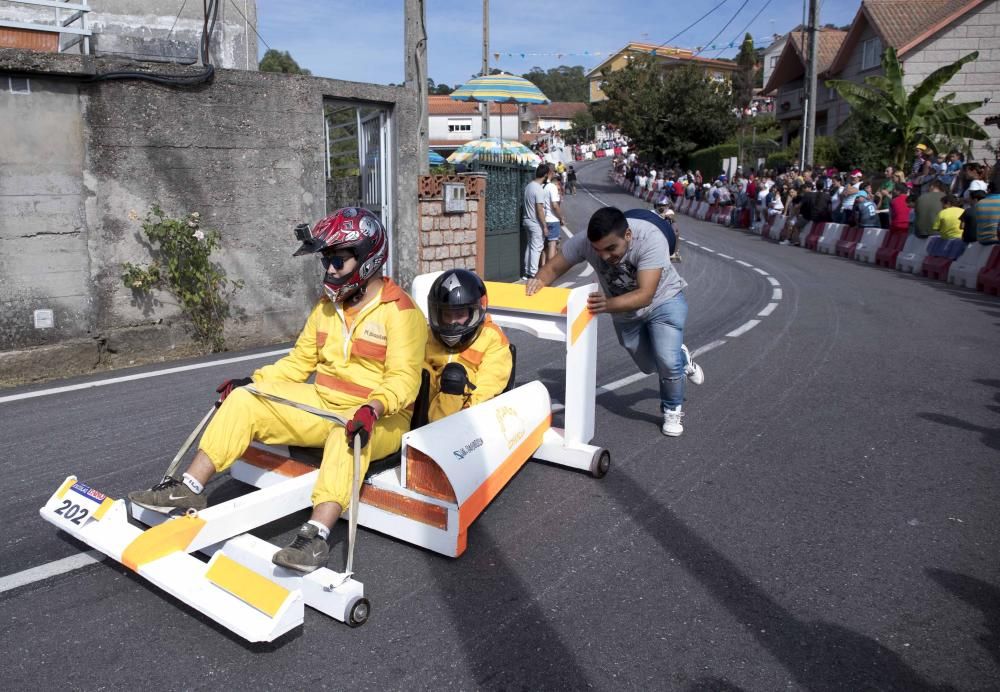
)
(709, 160)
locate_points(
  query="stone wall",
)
(83, 161)
(452, 240)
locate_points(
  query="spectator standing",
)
(571, 181)
(899, 209)
(534, 217)
(553, 218)
(969, 220)
(928, 207)
(988, 214)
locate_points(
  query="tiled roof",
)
(666, 52)
(444, 105)
(902, 24)
(899, 22)
(792, 60)
(826, 49)
(557, 109)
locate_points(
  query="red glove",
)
(227, 387)
(362, 424)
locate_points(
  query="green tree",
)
(561, 83)
(915, 118)
(743, 79)
(667, 113)
(442, 89)
(280, 61)
(582, 126)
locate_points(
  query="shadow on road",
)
(990, 436)
(819, 655)
(980, 595)
(507, 639)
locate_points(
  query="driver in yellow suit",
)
(468, 356)
(365, 342)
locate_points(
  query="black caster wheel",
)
(600, 464)
(359, 612)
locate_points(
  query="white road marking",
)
(707, 249)
(139, 376)
(773, 281)
(776, 294)
(565, 284)
(760, 271)
(724, 256)
(50, 569)
(692, 243)
(768, 310)
(712, 345)
(745, 264)
(743, 329)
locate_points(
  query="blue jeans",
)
(654, 342)
(553, 230)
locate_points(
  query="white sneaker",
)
(692, 369)
(672, 422)
(785, 242)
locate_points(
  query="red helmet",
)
(351, 228)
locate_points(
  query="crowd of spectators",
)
(939, 195)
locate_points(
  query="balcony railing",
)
(48, 25)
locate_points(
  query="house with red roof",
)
(926, 34)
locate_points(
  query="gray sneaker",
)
(307, 553)
(168, 495)
(692, 370)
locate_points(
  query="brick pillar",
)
(452, 240)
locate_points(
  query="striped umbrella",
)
(435, 158)
(499, 88)
(477, 147)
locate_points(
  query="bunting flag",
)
(665, 51)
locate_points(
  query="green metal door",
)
(505, 182)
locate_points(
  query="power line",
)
(744, 29)
(235, 7)
(176, 18)
(697, 21)
(724, 27)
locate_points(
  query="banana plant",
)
(914, 118)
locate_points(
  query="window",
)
(774, 60)
(871, 55)
(19, 85)
(459, 124)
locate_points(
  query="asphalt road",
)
(828, 520)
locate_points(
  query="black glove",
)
(454, 379)
(227, 387)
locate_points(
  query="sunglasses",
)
(332, 260)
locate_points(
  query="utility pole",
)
(486, 67)
(416, 73)
(809, 120)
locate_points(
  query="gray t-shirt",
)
(648, 250)
(533, 194)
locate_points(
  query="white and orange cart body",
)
(449, 471)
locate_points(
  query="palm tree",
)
(913, 118)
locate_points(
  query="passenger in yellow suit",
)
(468, 356)
(365, 342)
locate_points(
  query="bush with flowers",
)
(182, 265)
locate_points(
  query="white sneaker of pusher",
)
(692, 370)
(672, 422)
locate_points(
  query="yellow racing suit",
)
(487, 362)
(376, 354)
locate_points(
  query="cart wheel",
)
(358, 615)
(600, 463)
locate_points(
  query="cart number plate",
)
(79, 505)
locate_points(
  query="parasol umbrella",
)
(499, 88)
(435, 158)
(478, 147)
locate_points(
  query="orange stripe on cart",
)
(283, 466)
(103, 509)
(64, 488)
(250, 587)
(489, 488)
(168, 538)
(579, 324)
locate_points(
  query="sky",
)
(362, 40)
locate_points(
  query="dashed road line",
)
(49, 569)
(760, 271)
(729, 257)
(773, 281)
(745, 264)
(776, 294)
(743, 328)
(768, 310)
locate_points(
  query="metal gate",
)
(505, 182)
(373, 153)
(359, 160)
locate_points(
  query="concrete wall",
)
(83, 161)
(978, 30)
(153, 30)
